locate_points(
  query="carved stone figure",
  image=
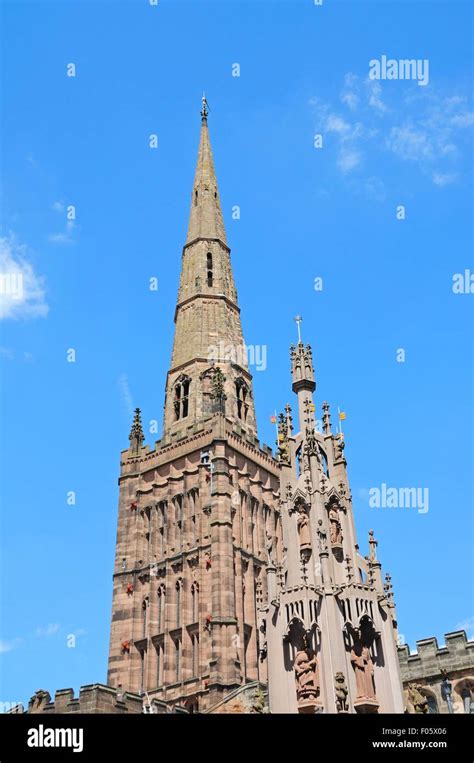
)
(335, 532)
(364, 670)
(283, 444)
(303, 528)
(269, 547)
(341, 692)
(322, 537)
(417, 699)
(306, 675)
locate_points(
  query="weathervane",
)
(205, 106)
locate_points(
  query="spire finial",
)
(204, 107)
(298, 321)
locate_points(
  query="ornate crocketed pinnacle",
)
(302, 371)
(289, 419)
(136, 436)
(282, 442)
(372, 547)
(388, 587)
(349, 573)
(326, 418)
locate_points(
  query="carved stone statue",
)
(416, 698)
(283, 444)
(335, 532)
(303, 528)
(269, 547)
(322, 537)
(306, 675)
(341, 692)
(364, 670)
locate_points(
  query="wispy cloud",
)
(6, 645)
(65, 236)
(426, 129)
(22, 290)
(58, 206)
(446, 179)
(47, 630)
(348, 160)
(126, 395)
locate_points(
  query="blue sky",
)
(305, 213)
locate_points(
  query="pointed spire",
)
(205, 219)
(136, 436)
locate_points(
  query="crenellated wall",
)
(430, 663)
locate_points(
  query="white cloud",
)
(48, 630)
(63, 237)
(348, 160)
(374, 90)
(463, 120)
(446, 179)
(336, 124)
(58, 206)
(22, 290)
(350, 93)
(126, 395)
(425, 128)
(8, 645)
(409, 143)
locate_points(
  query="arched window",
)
(195, 602)
(179, 585)
(145, 604)
(161, 608)
(241, 393)
(195, 198)
(142, 670)
(467, 701)
(195, 654)
(209, 269)
(181, 397)
(159, 665)
(177, 645)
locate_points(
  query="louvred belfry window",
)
(181, 398)
(241, 392)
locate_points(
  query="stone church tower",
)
(194, 512)
(232, 566)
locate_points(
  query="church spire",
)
(209, 352)
(205, 219)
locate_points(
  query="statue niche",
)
(305, 666)
(361, 661)
(304, 531)
(335, 529)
